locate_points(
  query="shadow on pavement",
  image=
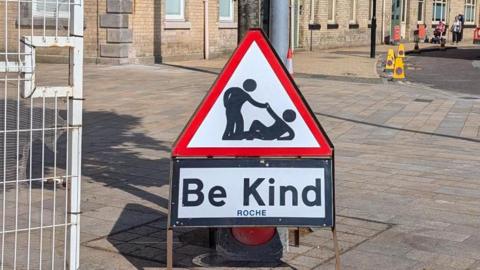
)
(451, 53)
(144, 245)
(121, 158)
(353, 53)
(116, 154)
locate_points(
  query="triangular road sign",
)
(253, 109)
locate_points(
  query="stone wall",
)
(185, 40)
(129, 32)
(108, 32)
(343, 32)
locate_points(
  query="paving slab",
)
(407, 170)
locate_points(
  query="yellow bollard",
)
(389, 65)
(401, 51)
(399, 70)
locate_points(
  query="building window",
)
(51, 9)
(353, 11)
(439, 11)
(175, 9)
(226, 10)
(469, 11)
(331, 11)
(421, 10)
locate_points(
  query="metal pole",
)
(336, 247)
(279, 37)
(239, 21)
(383, 22)
(373, 35)
(279, 13)
(169, 248)
(205, 32)
(75, 129)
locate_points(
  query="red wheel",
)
(251, 236)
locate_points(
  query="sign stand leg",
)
(211, 237)
(296, 239)
(169, 248)
(337, 251)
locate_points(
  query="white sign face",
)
(261, 192)
(254, 110)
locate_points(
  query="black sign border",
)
(325, 163)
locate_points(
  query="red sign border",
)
(180, 147)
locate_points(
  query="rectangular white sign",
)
(251, 192)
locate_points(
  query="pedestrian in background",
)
(456, 30)
(438, 33)
(461, 18)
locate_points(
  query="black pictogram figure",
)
(280, 130)
(233, 99)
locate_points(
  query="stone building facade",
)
(342, 22)
(133, 31)
(347, 22)
(148, 31)
(430, 12)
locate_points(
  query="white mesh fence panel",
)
(40, 131)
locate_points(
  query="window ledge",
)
(314, 26)
(353, 26)
(227, 25)
(332, 26)
(469, 26)
(177, 25)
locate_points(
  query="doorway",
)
(396, 14)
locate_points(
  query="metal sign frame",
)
(235, 157)
(326, 164)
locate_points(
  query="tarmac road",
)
(455, 70)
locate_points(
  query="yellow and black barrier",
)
(399, 69)
(401, 51)
(390, 63)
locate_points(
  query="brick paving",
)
(407, 187)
